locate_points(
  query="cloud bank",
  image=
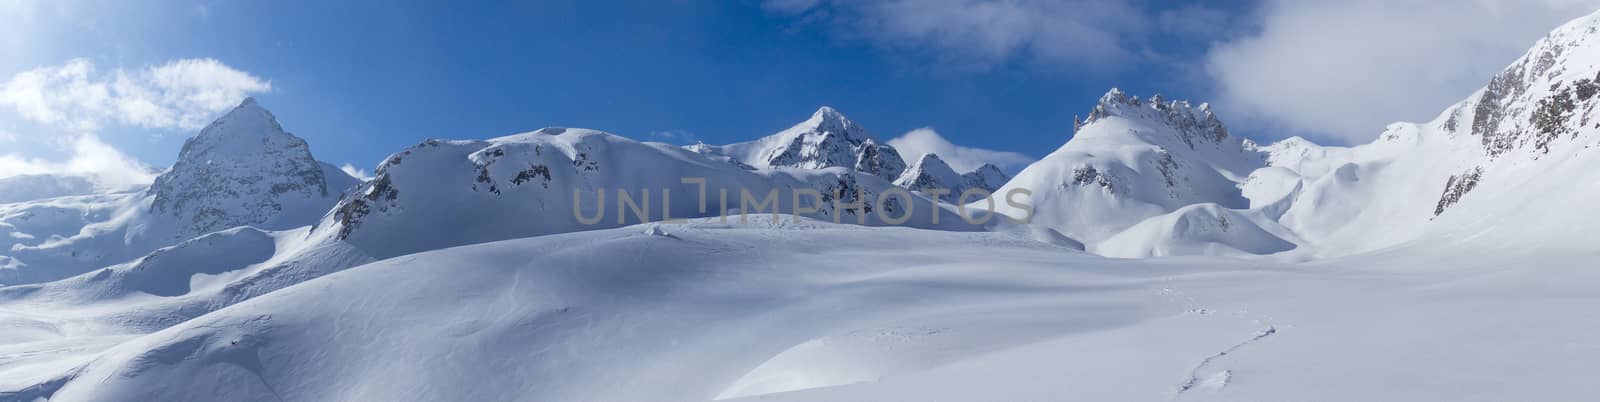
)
(1345, 69)
(925, 140)
(1334, 70)
(78, 99)
(980, 34)
(89, 158)
(75, 96)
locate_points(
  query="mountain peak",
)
(1191, 122)
(240, 131)
(827, 112)
(242, 169)
(828, 120)
(931, 158)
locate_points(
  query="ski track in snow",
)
(1195, 374)
(1199, 377)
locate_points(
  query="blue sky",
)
(362, 79)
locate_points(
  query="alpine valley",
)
(1156, 255)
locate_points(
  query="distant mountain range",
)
(159, 274)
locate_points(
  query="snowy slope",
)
(1509, 163)
(1199, 229)
(815, 311)
(243, 169)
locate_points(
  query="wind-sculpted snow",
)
(783, 310)
(1201, 229)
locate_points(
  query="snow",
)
(241, 170)
(827, 139)
(447, 193)
(818, 311)
(1167, 259)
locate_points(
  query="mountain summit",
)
(241, 170)
(244, 169)
(827, 139)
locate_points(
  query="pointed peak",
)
(242, 131)
(1114, 96)
(986, 168)
(248, 109)
(827, 118)
(827, 111)
(930, 161)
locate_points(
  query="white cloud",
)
(181, 94)
(89, 158)
(1345, 69)
(358, 173)
(983, 33)
(925, 140)
(674, 136)
(7, 136)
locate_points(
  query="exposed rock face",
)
(1456, 187)
(1191, 124)
(879, 160)
(1543, 97)
(243, 169)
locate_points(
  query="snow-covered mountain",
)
(243, 169)
(1133, 160)
(469, 269)
(931, 174)
(827, 139)
(556, 180)
(1508, 165)
(41, 186)
(986, 176)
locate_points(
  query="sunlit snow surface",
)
(1168, 260)
(816, 311)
